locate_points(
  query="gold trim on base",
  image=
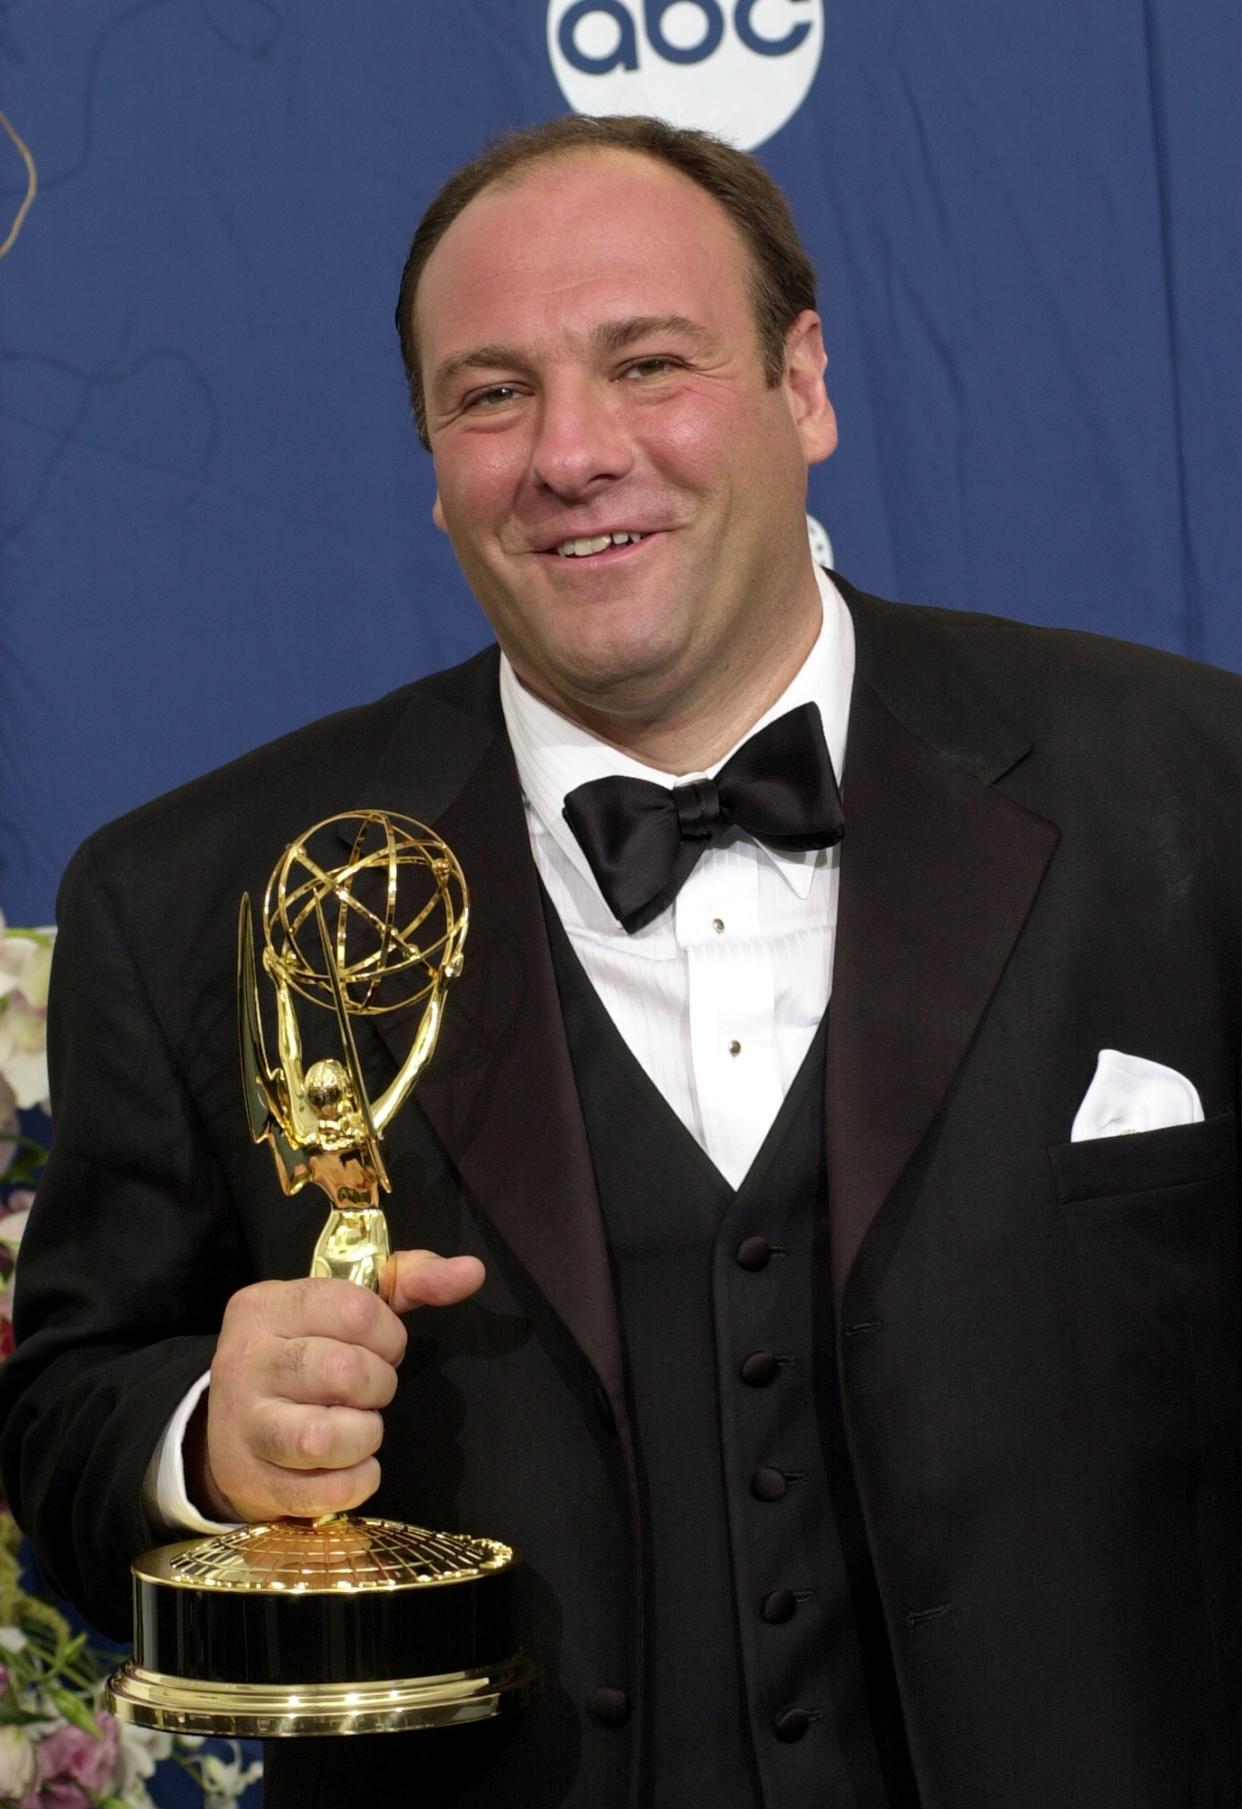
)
(342, 1554)
(261, 1712)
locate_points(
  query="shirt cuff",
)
(164, 1492)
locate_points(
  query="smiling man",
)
(860, 1398)
(623, 484)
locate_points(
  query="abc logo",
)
(739, 68)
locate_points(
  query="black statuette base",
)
(337, 1626)
(254, 1637)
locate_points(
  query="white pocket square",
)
(1129, 1093)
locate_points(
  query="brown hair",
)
(782, 280)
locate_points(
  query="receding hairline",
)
(520, 174)
(517, 173)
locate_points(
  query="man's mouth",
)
(584, 546)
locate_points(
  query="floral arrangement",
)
(59, 1748)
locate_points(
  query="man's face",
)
(593, 372)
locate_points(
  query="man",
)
(860, 1404)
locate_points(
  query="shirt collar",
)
(553, 755)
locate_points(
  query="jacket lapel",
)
(499, 1092)
(938, 872)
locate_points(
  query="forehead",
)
(575, 238)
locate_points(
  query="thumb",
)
(414, 1278)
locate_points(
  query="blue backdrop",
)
(214, 515)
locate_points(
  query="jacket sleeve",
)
(131, 1250)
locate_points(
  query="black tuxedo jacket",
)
(1038, 1341)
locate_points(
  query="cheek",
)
(476, 480)
(697, 439)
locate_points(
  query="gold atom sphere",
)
(396, 906)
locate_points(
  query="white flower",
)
(23, 1052)
(12, 1639)
(12, 1224)
(25, 966)
(135, 1795)
(26, 963)
(139, 1751)
(224, 1780)
(17, 1764)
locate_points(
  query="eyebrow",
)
(615, 335)
(609, 336)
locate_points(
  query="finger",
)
(262, 1458)
(421, 1278)
(323, 1372)
(329, 1491)
(288, 1437)
(314, 1308)
(275, 1492)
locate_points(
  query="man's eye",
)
(493, 397)
(655, 366)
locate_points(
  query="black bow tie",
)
(642, 839)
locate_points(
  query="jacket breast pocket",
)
(1145, 1161)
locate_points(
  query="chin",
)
(596, 668)
(643, 674)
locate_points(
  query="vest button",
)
(609, 1706)
(759, 1368)
(754, 1253)
(780, 1606)
(791, 1724)
(768, 1485)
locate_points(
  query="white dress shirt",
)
(718, 998)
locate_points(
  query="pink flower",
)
(72, 1763)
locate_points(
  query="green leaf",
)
(38, 1619)
(13, 1716)
(28, 1159)
(73, 1709)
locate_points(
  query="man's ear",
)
(805, 364)
(437, 514)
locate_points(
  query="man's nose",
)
(581, 440)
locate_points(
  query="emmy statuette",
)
(345, 1624)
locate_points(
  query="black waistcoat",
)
(768, 1680)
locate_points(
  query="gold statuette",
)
(345, 1624)
(319, 1122)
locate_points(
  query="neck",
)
(689, 739)
(684, 730)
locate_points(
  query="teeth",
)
(579, 549)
